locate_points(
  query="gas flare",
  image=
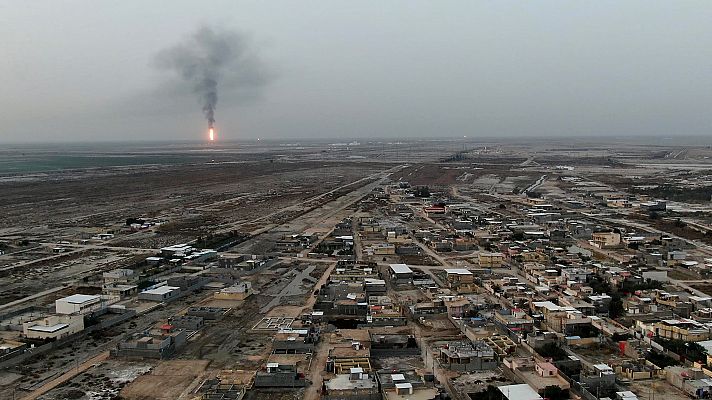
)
(212, 134)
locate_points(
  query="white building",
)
(160, 293)
(400, 273)
(519, 392)
(79, 304)
(178, 250)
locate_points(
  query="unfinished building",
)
(467, 356)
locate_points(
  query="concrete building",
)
(604, 240)
(390, 344)
(79, 304)
(119, 290)
(459, 276)
(374, 287)
(383, 249)
(120, 275)
(53, 327)
(400, 273)
(491, 260)
(356, 385)
(538, 375)
(11, 348)
(160, 294)
(519, 392)
(277, 375)
(399, 384)
(155, 345)
(682, 329)
(187, 322)
(467, 356)
(188, 283)
(239, 291)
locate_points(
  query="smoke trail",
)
(211, 58)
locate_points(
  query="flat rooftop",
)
(344, 382)
(80, 298)
(48, 329)
(519, 392)
(401, 269)
(458, 271)
(161, 290)
(418, 394)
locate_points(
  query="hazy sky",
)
(85, 70)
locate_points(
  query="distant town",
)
(363, 270)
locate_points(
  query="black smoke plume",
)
(211, 58)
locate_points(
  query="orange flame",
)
(212, 134)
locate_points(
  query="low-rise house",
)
(294, 242)
(459, 276)
(393, 344)
(239, 291)
(229, 261)
(520, 391)
(280, 375)
(491, 260)
(187, 283)
(349, 272)
(606, 240)
(537, 374)
(692, 381)
(383, 312)
(292, 343)
(119, 290)
(458, 307)
(515, 320)
(601, 302)
(429, 308)
(636, 370)
(374, 287)
(53, 327)
(186, 322)
(681, 329)
(155, 345)
(11, 348)
(355, 384)
(344, 356)
(120, 275)
(467, 356)
(382, 249)
(576, 274)
(404, 384)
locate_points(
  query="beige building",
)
(53, 327)
(459, 276)
(491, 260)
(682, 329)
(606, 239)
(384, 249)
